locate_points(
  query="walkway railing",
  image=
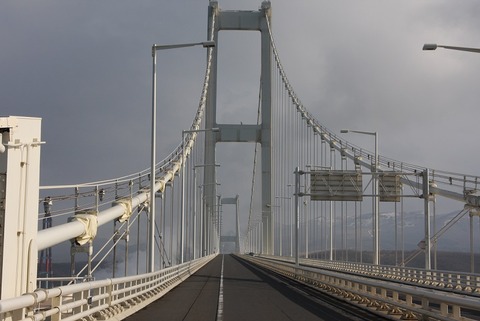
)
(457, 282)
(98, 300)
(386, 298)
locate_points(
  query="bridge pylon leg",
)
(19, 193)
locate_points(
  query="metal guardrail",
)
(457, 282)
(98, 300)
(55, 282)
(392, 300)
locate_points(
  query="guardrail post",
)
(456, 312)
(56, 302)
(109, 290)
(297, 218)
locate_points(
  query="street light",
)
(376, 217)
(432, 46)
(182, 217)
(155, 48)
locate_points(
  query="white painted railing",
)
(458, 282)
(98, 300)
(53, 282)
(383, 297)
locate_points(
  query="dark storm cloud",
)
(85, 68)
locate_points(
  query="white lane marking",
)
(220, 295)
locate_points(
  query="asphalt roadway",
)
(244, 293)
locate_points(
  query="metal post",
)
(205, 44)
(376, 214)
(332, 236)
(305, 215)
(331, 232)
(194, 212)
(472, 256)
(182, 216)
(434, 224)
(163, 218)
(217, 222)
(203, 222)
(172, 220)
(207, 229)
(297, 209)
(138, 242)
(115, 238)
(375, 199)
(237, 246)
(426, 197)
(151, 241)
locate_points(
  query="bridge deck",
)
(248, 294)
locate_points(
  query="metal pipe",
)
(61, 233)
(426, 197)
(431, 46)
(151, 226)
(151, 247)
(375, 198)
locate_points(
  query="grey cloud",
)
(85, 68)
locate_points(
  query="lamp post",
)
(155, 48)
(432, 46)
(182, 217)
(375, 206)
(427, 218)
(297, 194)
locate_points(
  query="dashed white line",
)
(220, 295)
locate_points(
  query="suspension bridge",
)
(328, 234)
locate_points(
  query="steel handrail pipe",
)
(113, 184)
(64, 232)
(61, 233)
(57, 234)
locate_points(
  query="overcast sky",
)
(84, 67)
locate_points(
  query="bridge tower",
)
(19, 185)
(236, 238)
(253, 133)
